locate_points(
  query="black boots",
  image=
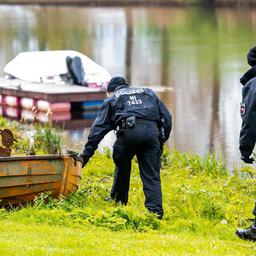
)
(109, 199)
(247, 234)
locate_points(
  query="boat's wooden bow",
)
(72, 175)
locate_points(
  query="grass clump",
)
(47, 139)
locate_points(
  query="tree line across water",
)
(136, 2)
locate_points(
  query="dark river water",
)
(197, 54)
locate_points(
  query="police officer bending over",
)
(142, 125)
(248, 129)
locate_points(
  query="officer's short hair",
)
(115, 82)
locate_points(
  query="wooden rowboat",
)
(22, 178)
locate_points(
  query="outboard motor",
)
(76, 69)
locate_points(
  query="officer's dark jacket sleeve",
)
(101, 126)
(248, 114)
(166, 115)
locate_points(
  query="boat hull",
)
(23, 178)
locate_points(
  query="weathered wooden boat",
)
(22, 178)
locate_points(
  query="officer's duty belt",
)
(143, 121)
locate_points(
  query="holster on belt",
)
(128, 122)
(120, 127)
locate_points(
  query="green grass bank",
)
(204, 203)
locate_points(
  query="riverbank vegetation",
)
(46, 139)
(203, 203)
(135, 2)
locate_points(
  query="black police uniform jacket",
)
(125, 102)
(248, 115)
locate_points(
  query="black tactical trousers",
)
(254, 210)
(142, 141)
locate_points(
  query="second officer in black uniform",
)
(248, 129)
(142, 125)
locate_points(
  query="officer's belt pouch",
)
(130, 121)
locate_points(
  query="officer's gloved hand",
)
(82, 158)
(246, 153)
(78, 157)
